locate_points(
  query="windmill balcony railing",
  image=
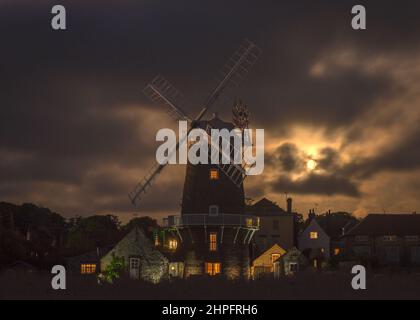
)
(229, 220)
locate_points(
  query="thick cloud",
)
(76, 133)
(316, 184)
(288, 157)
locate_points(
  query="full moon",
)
(311, 165)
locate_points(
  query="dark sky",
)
(76, 132)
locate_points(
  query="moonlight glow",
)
(311, 165)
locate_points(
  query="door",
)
(135, 268)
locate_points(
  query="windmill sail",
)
(163, 93)
(235, 70)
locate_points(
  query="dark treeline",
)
(41, 237)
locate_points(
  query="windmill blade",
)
(148, 180)
(241, 62)
(161, 92)
(233, 72)
(145, 184)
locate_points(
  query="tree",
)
(92, 232)
(147, 224)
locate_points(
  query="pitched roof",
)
(265, 207)
(333, 224)
(274, 248)
(387, 224)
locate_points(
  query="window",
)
(276, 225)
(274, 257)
(213, 210)
(313, 235)
(213, 268)
(213, 241)
(88, 268)
(249, 222)
(293, 266)
(214, 174)
(173, 244)
(134, 263)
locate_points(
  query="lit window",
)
(88, 268)
(213, 268)
(337, 251)
(214, 174)
(314, 235)
(249, 222)
(173, 244)
(274, 257)
(213, 241)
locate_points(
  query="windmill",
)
(161, 92)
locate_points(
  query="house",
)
(277, 226)
(264, 264)
(314, 242)
(335, 226)
(87, 263)
(290, 263)
(386, 239)
(142, 260)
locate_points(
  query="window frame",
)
(88, 268)
(213, 268)
(213, 241)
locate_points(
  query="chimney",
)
(289, 205)
(311, 214)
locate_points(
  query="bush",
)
(114, 270)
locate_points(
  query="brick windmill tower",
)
(213, 230)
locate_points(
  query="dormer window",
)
(213, 210)
(214, 174)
